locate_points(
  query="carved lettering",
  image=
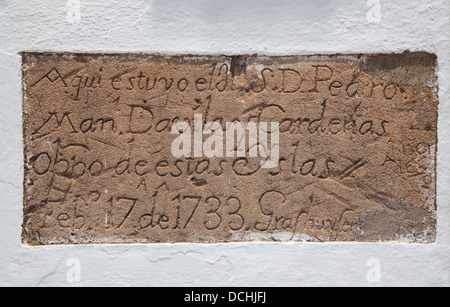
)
(164, 149)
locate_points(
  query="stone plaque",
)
(134, 148)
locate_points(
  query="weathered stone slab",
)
(357, 148)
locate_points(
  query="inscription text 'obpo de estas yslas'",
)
(152, 148)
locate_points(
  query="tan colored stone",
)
(358, 141)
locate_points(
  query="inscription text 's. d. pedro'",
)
(356, 141)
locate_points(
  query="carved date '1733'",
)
(356, 162)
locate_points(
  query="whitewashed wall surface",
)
(271, 27)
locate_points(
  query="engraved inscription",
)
(351, 141)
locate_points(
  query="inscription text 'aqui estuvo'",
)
(139, 148)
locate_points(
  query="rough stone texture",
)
(232, 27)
(358, 136)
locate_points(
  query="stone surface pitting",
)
(358, 141)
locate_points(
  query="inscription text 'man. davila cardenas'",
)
(135, 148)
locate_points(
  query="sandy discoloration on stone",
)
(358, 142)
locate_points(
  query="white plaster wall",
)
(209, 27)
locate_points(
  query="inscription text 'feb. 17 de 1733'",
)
(324, 148)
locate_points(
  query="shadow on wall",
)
(266, 13)
(238, 22)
